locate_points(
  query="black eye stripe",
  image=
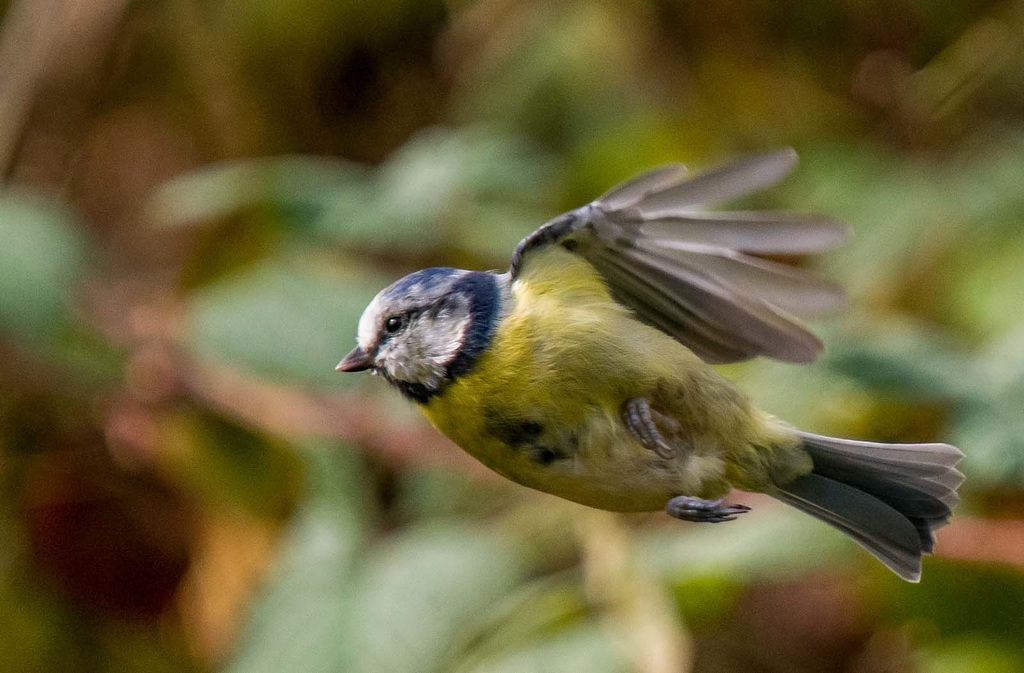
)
(403, 319)
(397, 322)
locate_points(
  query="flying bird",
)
(585, 370)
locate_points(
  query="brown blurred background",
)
(201, 195)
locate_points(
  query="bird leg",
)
(687, 508)
(639, 418)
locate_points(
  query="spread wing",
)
(690, 273)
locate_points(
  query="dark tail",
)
(890, 498)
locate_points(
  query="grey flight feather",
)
(759, 232)
(757, 328)
(786, 287)
(687, 273)
(628, 193)
(743, 176)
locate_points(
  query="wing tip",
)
(805, 354)
(785, 156)
(840, 232)
(627, 193)
(778, 162)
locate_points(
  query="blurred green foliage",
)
(202, 197)
(41, 258)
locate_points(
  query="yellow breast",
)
(542, 406)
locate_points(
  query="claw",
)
(637, 415)
(687, 508)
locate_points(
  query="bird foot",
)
(686, 508)
(639, 418)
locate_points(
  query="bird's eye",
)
(393, 324)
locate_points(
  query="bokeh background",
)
(201, 195)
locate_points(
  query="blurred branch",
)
(52, 54)
(26, 46)
(640, 609)
(957, 74)
(236, 126)
(989, 541)
(294, 414)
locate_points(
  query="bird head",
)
(426, 329)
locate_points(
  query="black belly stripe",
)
(525, 436)
(543, 455)
(512, 431)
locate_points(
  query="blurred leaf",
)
(423, 592)
(811, 398)
(281, 29)
(132, 647)
(959, 599)
(471, 187)
(653, 138)
(535, 611)
(226, 463)
(912, 214)
(437, 491)
(913, 360)
(256, 235)
(973, 655)
(991, 427)
(992, 437)
(440, 164)
(704, 600)
(422, 188)
(32, 625)
(41, 257)
(297, 185)
(288, 321)
(558, 71)
(988, 279)
(1002, 362)
(582, 648)
(774, 543)
(891, 203)
(297, 620)
(491, 231)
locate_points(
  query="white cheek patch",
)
(421, 354)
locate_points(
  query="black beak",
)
(356, 361)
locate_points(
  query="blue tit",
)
(584, 371)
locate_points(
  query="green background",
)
(201, 196)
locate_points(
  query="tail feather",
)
(877, 527)
(890, 498)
